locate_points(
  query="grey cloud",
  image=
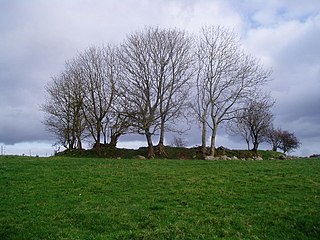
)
(21, 125)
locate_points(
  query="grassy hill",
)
(170, 153)
(96, 198)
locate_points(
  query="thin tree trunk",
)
(248, 144)
(150, 145)
(79, 143)
(97, 145)
(204, 139)
(161, 138)
(104, 137)
(161, 148)
(213, 141)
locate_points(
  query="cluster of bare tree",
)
(282, 139)
(148, 82)
(255, 124)
(82, 100)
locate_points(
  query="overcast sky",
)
(38, 36)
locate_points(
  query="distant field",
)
(89, 198)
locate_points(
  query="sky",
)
(38, 36)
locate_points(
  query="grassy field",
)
(88, 198)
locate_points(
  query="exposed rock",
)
(140, 157)
(258, 158)
(234, 158)
(210, 158)
(217, 158)
(224, 157)
(282, 157)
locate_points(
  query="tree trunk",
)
(248, 144)
(255, 148)
(274, 146)
(79, 143)
(255, 144)
(150, 145)
(71, 142)
(162, 151)
(213, 141)
(161, 138)
(161, 148)
(114, 140)
(104, 137)
(97, 145)
(204, 139)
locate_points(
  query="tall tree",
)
(177, 71)
(156, 74)
(63, 108)
(225, 77)
(98, 70)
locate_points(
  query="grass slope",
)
(169, 153)
(70, 198)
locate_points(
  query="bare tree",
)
(225, 77)
(176, 72)
(115, 125)
(253, 121)
(138, 89)
(98, 70)
(119, 124)
(288, 141)
(83, 98)
(178, 142)
(274, 137)
(282, 139)
(63, 108)
(155, 84)
(238, 126)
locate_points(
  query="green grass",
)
(91, 198)
(169, 153)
